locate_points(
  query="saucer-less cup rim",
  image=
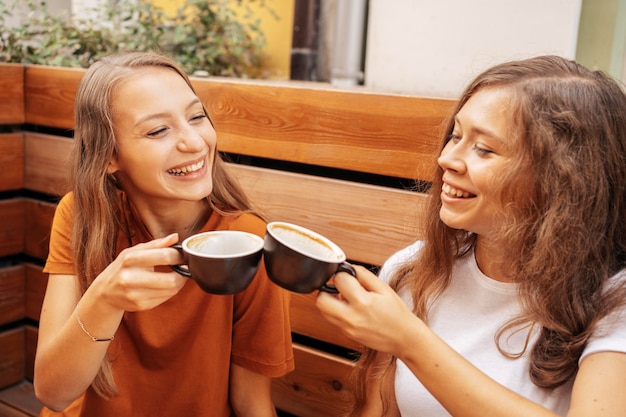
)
(333, 246)
(259, 244)
(243, 262)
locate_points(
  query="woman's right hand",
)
(140, 277)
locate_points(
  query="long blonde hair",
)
(565, 205)
(96, 196)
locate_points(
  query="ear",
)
(113, 166)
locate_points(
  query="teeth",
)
(453, 192)
(187, 170)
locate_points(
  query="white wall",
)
(435, 47)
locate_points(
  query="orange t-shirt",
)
(174, 359)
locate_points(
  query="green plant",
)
(204, 35)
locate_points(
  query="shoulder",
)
(65, 208)
(399, 258)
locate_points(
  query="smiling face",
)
(479, 151)
(165, 141)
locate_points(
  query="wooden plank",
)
(319, 386)
(355, 130)
(11, 93)
(368, 222)
(21, 397)
(11, 159)
(11, 226)
(39, 215)
(46, 163)
(12, 294)
(8, 411)
(49, 95)
(11, 357)
(36, 282)
(307, 320)
(30, 349)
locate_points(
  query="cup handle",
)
(183, 271)
(343, 267)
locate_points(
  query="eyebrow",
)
(158, 115)
(482, 131)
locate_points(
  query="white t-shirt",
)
(467, 316)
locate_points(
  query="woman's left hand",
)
(369, 311)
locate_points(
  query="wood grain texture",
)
(368, 222)
(319, 386)
(12, 226)
(19, 401)
(46, 157)
(11, 94)
(49, 95)
(11, 160)
(11, 356)
(12, 294)
(36, 282)
(354, 130)
(307, 320)
(30, 349)
(39, 215)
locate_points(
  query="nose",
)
(451, 157)
(192, 140)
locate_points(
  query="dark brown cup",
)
(300, 260)
(222, 261)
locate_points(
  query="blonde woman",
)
(117, 323)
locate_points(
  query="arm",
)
(599, 386)
(370, 312)
(68, 360)
(250, 393)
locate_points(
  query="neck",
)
(490, 259)
(185, 218)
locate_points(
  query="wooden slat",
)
(39, 215)
(11, 159)
(11, 357)
(368, 222)
(30, 349)
(354, 130)
(49, 95)
(319, 386)
(46, 163)
(8, 411)
(11, 93)
(36, 282)
(12, 294)
(11, 227)
(307, 320)
(20, 397)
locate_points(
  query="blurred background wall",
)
(424, 47)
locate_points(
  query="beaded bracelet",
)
(94, 338)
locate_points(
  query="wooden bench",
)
(337, 162)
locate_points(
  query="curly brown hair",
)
(565, 205)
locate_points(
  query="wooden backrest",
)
(329, 160)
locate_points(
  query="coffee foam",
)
(309, 244)
(223, 245)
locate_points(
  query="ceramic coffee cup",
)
(222, 261)
(300, 260)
